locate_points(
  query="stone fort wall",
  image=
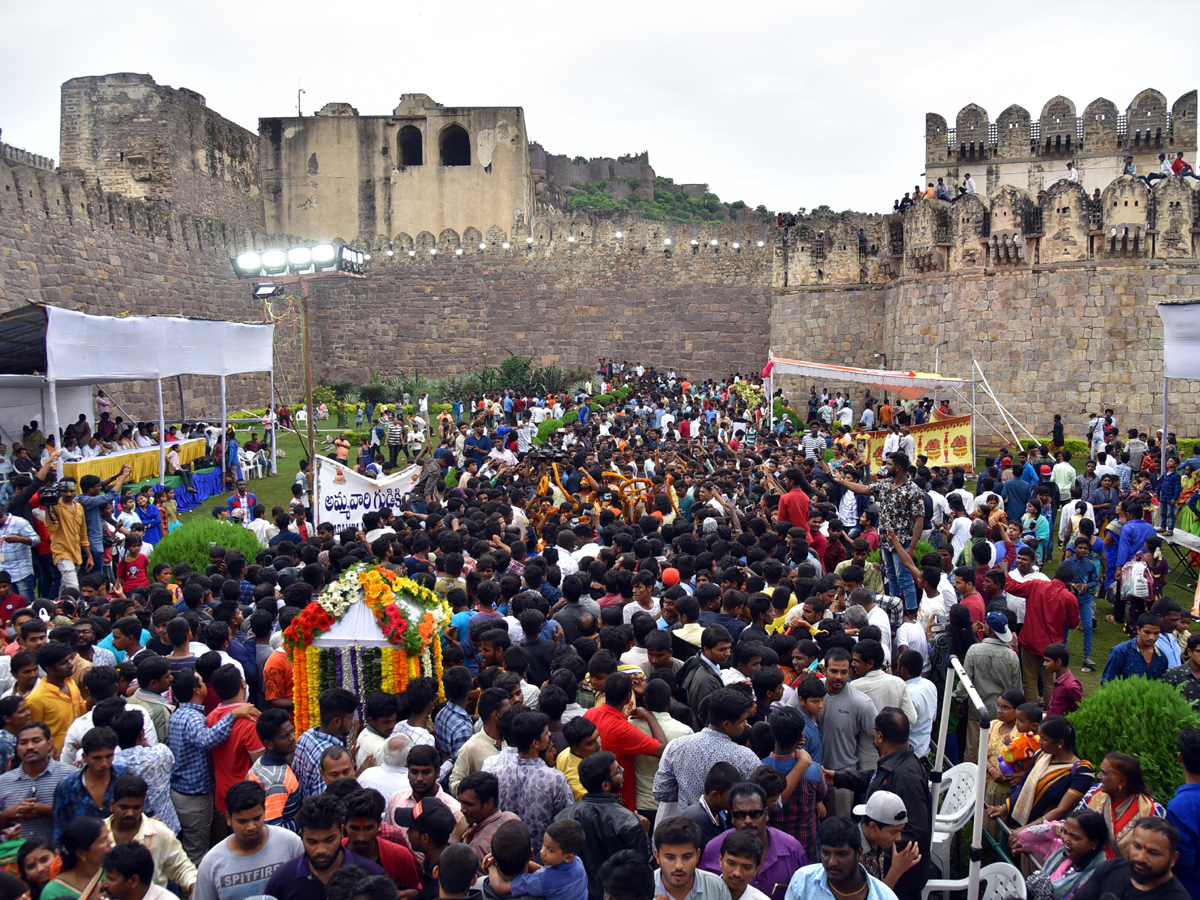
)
(1054, 293)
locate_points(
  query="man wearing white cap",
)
(883, 821)
(900, 772)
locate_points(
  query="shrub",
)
(1142, 718)
(549, 426)
(1079, 449)
(781, 411)
(190, 542)
(921, 549)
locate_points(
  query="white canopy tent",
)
(906, 385)
(54, 356)
(1181, 351)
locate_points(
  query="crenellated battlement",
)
(1127, 221)
(18, 157)
(1030, 153)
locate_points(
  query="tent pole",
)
(975, 410)
(53, 391)
(1003, 413)
(1032, 436)
(224, 433)
(121, 408)
(986, 421)
(182, 412)
(1163, 461)
(974, 452)
(162, 436)
(271, 419)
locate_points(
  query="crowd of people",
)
(690, 655)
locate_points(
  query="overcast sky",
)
(783, 103)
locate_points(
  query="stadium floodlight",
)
(299, 260)
(324, 257)
(620, 234)
(247, 264)
(274, 262)
(266, 289)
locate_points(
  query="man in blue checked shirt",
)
(338, 709)
(453, 726)
(192, 742)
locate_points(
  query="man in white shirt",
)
(1072, 173)
(908, 444)
(891, 442)
(391, 775)
(923, 694)
(968, 184)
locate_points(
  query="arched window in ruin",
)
(455, 146)
(412, 144)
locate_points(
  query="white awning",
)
(907, 385)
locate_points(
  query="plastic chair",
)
(956, 806)
(957, 803)
(998, 881)
(251, 465)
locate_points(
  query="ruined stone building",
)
(473, 256)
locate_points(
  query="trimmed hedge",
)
(190, 542)
(781, 411)
(1142, 718)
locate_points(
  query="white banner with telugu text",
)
(343, 496)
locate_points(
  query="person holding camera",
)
(69, 545)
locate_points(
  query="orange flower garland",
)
(393, 599)
(300, 689)
(400, 667)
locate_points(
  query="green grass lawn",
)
(270, 491)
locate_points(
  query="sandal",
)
(1111, 619)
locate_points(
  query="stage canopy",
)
(906, 385)
(50, 358)
(69, 347)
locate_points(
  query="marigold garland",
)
(410, 616)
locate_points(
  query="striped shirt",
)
(16, 786)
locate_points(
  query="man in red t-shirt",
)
(131, 570)
(618, 736)
(364, 811)
(233, 757)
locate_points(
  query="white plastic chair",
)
(956, 805)
(251, 466)
(998, 881)
(957, 802)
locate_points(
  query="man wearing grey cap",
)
(993, 667)
(883, 818)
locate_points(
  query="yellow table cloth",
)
(144, 462)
